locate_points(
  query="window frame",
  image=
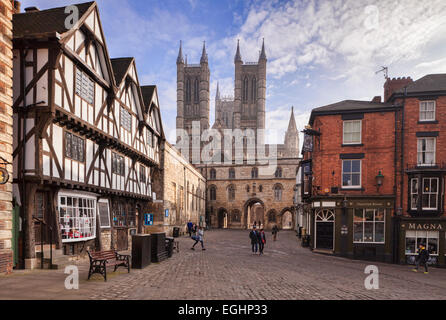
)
(80, 155)
(425, 151)
(118, 166)
(351, 173)
(412, 193)
(423, 192)
(426, 102)
(127, 123)
(80, 80)
(352, 132)
(75, 217)
(374, 222)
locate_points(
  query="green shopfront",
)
(356, 227)
(429, 232)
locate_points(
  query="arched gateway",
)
(253, 210)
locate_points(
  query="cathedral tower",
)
(192, 92)
(250, 91)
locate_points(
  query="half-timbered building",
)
(85, 139)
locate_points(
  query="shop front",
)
(427, 232)
(353, 227)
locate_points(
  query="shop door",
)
(42, 218)
(324, 220)
(122, 240)
(324, 235)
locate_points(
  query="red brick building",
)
(422, 166)
(343, 160)
(374, 173)
(7, 219)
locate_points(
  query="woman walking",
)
(199, 238)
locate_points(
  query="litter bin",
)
(141, 250)
(169, 246)
(176, 232)
(306, 240)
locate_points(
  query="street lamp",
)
(379, 179)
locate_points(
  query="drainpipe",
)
(25, 230)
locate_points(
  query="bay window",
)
(430, 194)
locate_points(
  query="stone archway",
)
(287, 219)
(222, 218)
(253, 209)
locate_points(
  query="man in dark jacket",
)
(189, 228)
(262, 240)
(423, 257)
(254, 239)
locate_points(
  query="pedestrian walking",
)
(275, 230)
(199, 237)
(255, 224)
(254, 239)
(194, 229)
(189, 228)
(262, 240)
(422, 258)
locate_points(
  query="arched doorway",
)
(324, 226)
(222, 218)
(287, 220)
(254, 210)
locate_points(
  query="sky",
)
(319, 52)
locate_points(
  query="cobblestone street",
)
(228, 270)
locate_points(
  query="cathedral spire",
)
(204, 55)
(238, 56)
(292, 124)
(263, 54)
(180, 54)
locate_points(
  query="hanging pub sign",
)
(308, 143)
(4, 176)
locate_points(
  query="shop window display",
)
(77, 217)
(429, 239)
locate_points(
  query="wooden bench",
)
(100, 260)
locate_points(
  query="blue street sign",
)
(148, 219)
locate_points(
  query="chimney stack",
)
(395, 84)
(31, 9)
(17, 6)
(377, 99)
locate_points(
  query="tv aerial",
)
(385, 70)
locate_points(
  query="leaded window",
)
(126, 119)
(84, 86)
(118, 166)
(74, 147)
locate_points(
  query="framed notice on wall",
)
(148, 219)
(104, 213)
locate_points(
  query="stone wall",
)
(183, 194)
(6, 10)
(248, 192)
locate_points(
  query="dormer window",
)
(427, 110)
